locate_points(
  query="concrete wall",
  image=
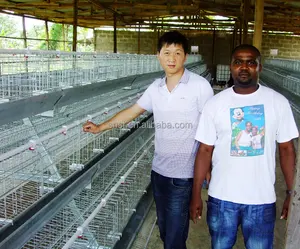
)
(127, 42)
(288, 46)
(215, 49)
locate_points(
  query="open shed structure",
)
(280, 15)
(70, 76)
(243, 15)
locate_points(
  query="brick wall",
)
(222, 44)
(127, 42)
(215, 49)
(288, 46)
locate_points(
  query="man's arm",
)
(202, 166)
(287, 162)
(120, 119)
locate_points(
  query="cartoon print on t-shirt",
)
(248, 130)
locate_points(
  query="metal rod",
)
(103, 202)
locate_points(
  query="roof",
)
(283, 15)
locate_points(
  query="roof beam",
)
(97, 4)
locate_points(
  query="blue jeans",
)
(257, 223)
(172, 198)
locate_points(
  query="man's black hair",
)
(248, 47)
(173, 37)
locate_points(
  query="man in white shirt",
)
(176, 101)
(241, 191)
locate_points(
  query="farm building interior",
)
(63, 62)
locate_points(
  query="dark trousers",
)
(172, 198)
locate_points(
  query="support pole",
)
(64, 35)
(74, 47)
(95, 40)
(115, 33)
(258, 23)
(213, 48)
(47, 34)
(155, 39)
(234, 36)
(139, 39)
(213, 66)
(24, 32)
(241, 30)
(246, 11)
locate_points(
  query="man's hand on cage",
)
(91, 127)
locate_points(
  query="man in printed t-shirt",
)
(241, 191)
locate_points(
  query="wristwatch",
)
(289, 192)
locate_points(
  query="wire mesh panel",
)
(25, 73)
(38, 153)
(291, 65)
(223, 73)
(283, 79)
(121, 184)
(275, 80)
(193, 58)
(199, 69)
(55, 229)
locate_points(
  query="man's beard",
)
(245, 84)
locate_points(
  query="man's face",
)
(172, 58)
(245, 68)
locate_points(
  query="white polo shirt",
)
(176, 117)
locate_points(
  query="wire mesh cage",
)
(25, 73)
(291, 65)
(39, 153)
(222, 74)
(276, 75)
(199, 68)
(96, 217)
(283, 73)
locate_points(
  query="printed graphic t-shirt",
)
(243, 130)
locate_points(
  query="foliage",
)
(11, 27)
(8, 28)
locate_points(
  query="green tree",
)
(56, 33)
(83, 43)
(38, 32)
(8, 28)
